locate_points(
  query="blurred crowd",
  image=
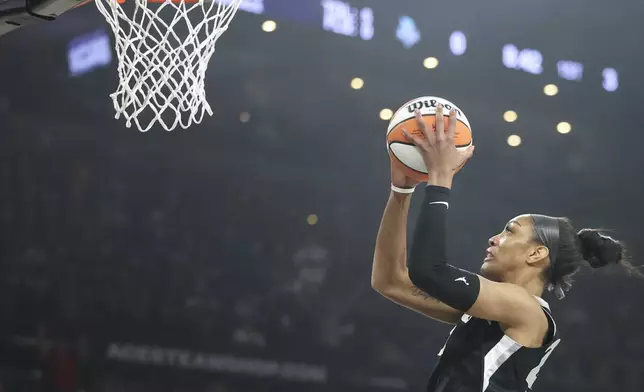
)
(96, 249)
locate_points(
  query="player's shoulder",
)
(515, 298)
(547, 310)
(530, 303)
(543, 303)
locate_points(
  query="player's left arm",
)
(429, 270)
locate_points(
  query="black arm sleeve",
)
(427, 262)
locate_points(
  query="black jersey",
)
(479, 357)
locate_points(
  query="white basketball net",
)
(161, 69)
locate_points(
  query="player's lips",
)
(488, 254)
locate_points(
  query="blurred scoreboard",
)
(344, 17)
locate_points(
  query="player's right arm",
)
(389, 275)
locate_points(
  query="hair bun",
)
(599, 250)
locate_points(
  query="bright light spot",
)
(357, 83)
(88, 52)
(312, 219)
(550, 90)
(430, 62)
(269, 26)
(514, 140)
(386, 114)
(244, 117)
(564, 127)
(510, 116)
(407, 32)
(611, 79)
(527, 60)
(457, 43)
(366, 24)
(570, 70)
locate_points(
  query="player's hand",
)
(438, 149)
(399, 179)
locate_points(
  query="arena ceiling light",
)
(430, 62)
(510, 116)
(357, 83)
(550, 90)
(514, 140)
(269, 26)
(564, 127)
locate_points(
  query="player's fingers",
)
(422, 125)
(469, 152)
(420, 142)
(451, 127)
(440, 125)
(465, 155)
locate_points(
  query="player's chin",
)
(489, 271)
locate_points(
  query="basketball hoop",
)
(161, 70)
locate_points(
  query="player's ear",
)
(537, 254)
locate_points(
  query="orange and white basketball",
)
(403, 152)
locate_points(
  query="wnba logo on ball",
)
(429, 104)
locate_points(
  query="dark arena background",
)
(235, 256)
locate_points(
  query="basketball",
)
(403, 152)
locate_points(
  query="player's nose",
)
(494, 241)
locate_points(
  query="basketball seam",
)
(412, 144)
(425, 115)
(393, 154)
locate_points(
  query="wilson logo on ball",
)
(430, 104)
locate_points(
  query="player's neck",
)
(533, 285)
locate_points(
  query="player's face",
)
(509, 249)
